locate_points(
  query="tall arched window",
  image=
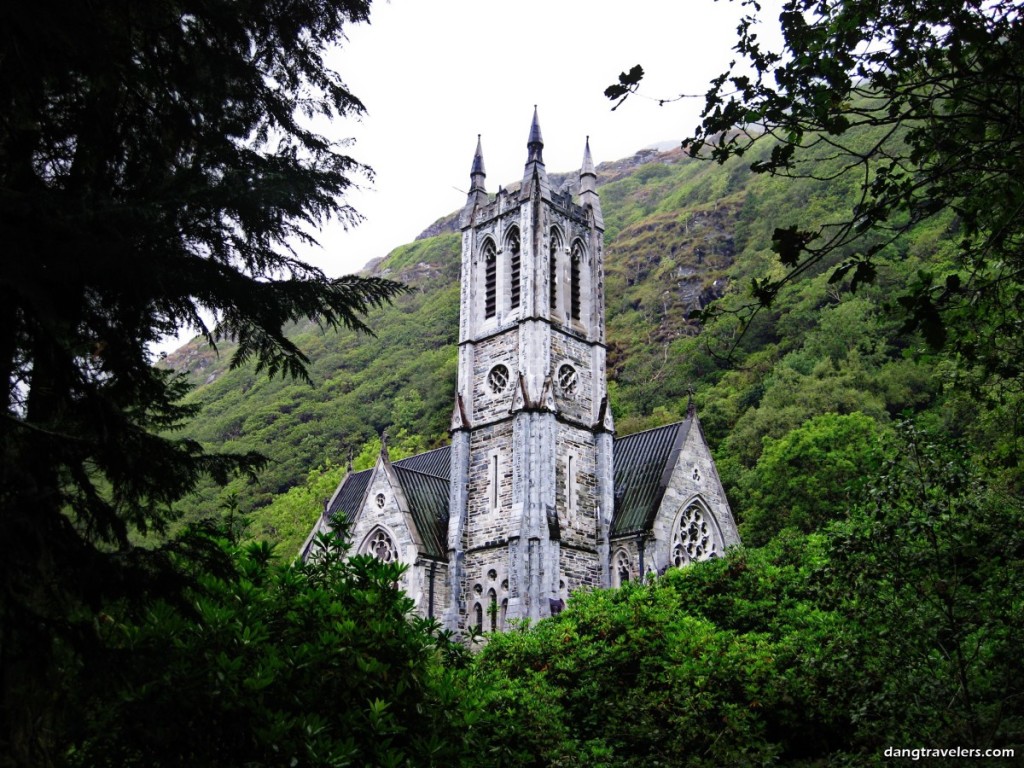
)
(575, 264)
(490, 280)
(492, 609)
(556, 246)
(479, 617)
(514, 262)
(622, 568)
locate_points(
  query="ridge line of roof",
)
(420, 472)
(654, 429)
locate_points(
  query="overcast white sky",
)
(435, 74)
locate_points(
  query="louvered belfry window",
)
(514, 267)
(490, 280)
(553, 269)
(574, 282)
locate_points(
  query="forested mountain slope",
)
(680, 233)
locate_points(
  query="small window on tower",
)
(493, 481)
(490, 280)
(497, 379)
(568, 380)
(514, 268)
(570, 483)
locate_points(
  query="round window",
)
(497, 379)
(568, 379)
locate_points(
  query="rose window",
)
(497, 379)
(382, 547)
(567, 379)
(693, 539)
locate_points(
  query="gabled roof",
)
(424, 482)
(437, 462)
(643, 467)
(428, 503)
(349, 495)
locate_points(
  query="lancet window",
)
(515, 267)
(556, 246)
(490, 280)
(622, 568)
(575, 265)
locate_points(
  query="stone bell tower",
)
(531, 459)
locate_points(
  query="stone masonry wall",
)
(487, 404)
(380, 510)
(484, 521)
(693, 478)
(577, 404)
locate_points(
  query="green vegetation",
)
(157, 171)
(270, 664)
(874, 464)
(875, 597)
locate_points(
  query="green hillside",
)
(681, 233)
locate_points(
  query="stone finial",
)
(477, 173)
(535, 144)
(535, 176)
(477, 196)
(587, 169)
(588, 186)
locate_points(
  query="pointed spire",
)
(477, 174)
(535, 163)
(588, 186)
(588, 162)
(536, 142)
(477, 196)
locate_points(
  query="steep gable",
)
(422, 482)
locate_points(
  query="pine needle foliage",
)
(157, 166)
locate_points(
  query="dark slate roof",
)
(424, 481)
(350, 494)
(428, 503)
(436, 462)
(643, 468)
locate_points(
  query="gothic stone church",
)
(535, 497)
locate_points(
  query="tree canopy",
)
(157, 165)
(919, 104)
